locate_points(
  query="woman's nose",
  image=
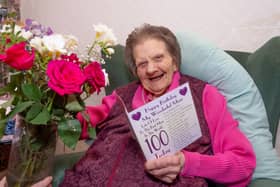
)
(151, 67)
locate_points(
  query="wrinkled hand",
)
(166, 168)
(46, 182)
(3, 182)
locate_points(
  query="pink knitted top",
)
(233, 160)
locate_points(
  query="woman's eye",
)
(158, 58)
(142, 65)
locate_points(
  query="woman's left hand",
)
(166, 168)
(46, 182)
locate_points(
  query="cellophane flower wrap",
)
(49, 79)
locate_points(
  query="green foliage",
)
(73, 104)
(20, 108)
(42, 118)
(69, 131)
(2, 127)
(92, 132)
(34, 110)
(42, 81)
(2, 122)
(32, 92)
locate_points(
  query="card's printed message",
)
(167, 124)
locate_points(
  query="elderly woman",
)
(222, 155)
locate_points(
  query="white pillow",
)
(205, 61)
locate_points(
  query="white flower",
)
(22, 32)
(8, 109)
(71, 42)
(105, 34)
(110, 50)
(37, 43)
(26, 34)
(55, 43)
(106, 77)
(6, 29)
(17, 30)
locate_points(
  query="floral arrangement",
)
(48, 82)
(49, 79)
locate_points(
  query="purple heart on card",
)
(183, 91)
(136, 116)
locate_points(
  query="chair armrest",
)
(264, 182)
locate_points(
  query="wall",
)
(231, 24)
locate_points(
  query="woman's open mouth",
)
(156, 78)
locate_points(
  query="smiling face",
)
(154, 65)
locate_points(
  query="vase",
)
(32, 154)
(5, 148)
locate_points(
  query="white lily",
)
(105, 34)
(71, 42)
(55, 43)
(110, 50)
(38, 44)
(17, 29)
(6, 29)
(106, 77)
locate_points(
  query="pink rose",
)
(18, 57)
(65, 77)
(95, 76)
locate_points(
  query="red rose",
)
(18, 57)
(95, 76)
(65, 77)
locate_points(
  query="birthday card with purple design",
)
(166, 124)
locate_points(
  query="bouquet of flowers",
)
(49, 81)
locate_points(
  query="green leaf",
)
(42, 118)
(32, 92)
(91, 132)
(69, 131)
(34, 111)
(74, 106)
(2, 113)
(5, 89)
(36, 145)
(2, 127)
(16, 79)
(58, 112)
(20, 107)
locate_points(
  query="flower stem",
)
(19, 183)
(32, 165)
(91, 47)
(51, 102)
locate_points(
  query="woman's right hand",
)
(166, 168)
(46, 182)
(3, 182)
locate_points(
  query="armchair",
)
(263, 66)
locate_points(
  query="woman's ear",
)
(175, 65)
